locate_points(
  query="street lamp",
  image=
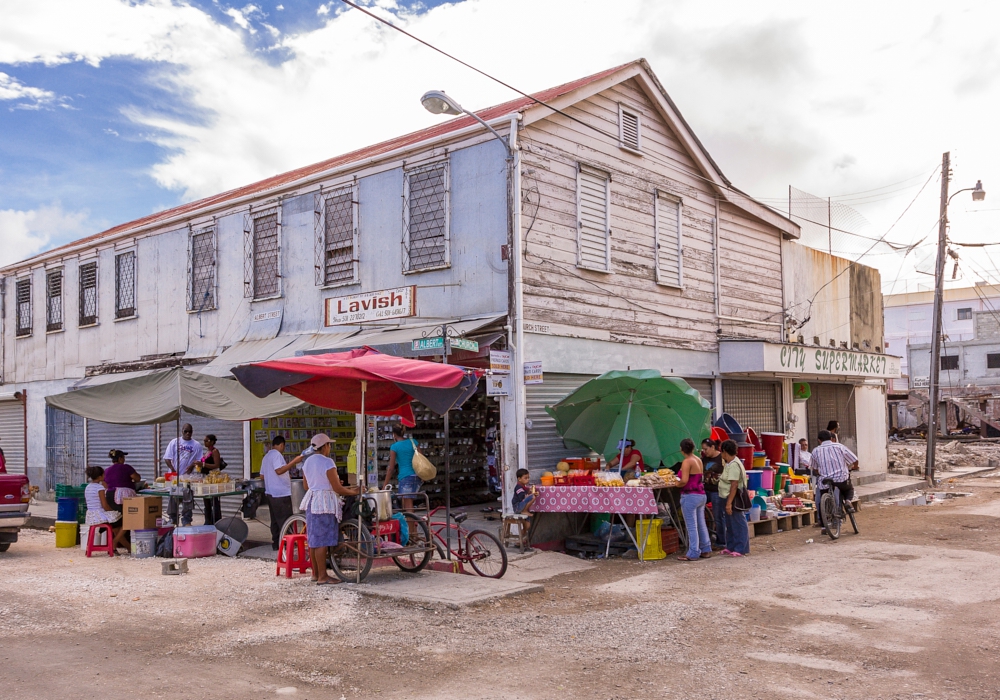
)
(439, 102)
(934, 390)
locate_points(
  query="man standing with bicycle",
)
(832, 460)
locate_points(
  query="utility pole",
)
(934, 390)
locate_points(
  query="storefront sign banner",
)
(500, 361)
(813, 360)
(498, 386)
(533, 372)
(371, 306)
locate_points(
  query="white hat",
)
(319, 440)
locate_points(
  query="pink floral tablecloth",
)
(595, 499)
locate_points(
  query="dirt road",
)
(907, 609)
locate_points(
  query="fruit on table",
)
(563, 466)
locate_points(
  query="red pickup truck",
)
(15, 492)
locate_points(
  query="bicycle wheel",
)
(486, 554)
(420, 535)
(850, 514)
(295, 525)
(354, 562)
(831, 519)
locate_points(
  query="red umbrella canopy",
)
(334, 380)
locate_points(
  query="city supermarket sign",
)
(800, 360)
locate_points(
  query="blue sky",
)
(110, 110)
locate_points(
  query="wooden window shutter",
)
(667, 222)
(593, 231)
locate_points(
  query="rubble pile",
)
(908, 458)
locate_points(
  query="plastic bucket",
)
(143, 544)
(66, 532)
(767, 479)
(774, 446)
(753, 479)
(67, 509)
(745, 454)
(759, 460)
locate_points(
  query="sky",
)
(111, 110)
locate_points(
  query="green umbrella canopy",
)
(664, 411)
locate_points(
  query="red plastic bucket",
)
(745, 453)
(774, 445)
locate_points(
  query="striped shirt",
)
(832, 460)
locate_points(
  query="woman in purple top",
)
(120, 476)
(693, 504)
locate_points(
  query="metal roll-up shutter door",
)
(229, 441)
(755, 405)
(138, 440)
(703, 387)
(545, 447)
(829, 402)
(12, 435)
(65, 462)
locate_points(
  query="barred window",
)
(125, 284)
(426, 235)
(23, 299)
(262, 271)
(949, 362)
(339, 238)
(202, 287)
(88, 294)
(53, 300)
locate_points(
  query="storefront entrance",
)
(832, 402)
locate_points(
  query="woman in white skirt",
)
(99, 511)
(322, 506)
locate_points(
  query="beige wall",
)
(870, 409)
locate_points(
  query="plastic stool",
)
(521, 522)
(293, 555)
(94, 534)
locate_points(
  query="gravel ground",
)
(909, 608)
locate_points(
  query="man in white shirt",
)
(805, 457)
(185, 457)
(278, 486)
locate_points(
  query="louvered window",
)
(201, 290)
(88, 294)
(593, 231)
(337, 238)
(629, 129)
(23, 297)
(262, 274)
(426, 235)
(669, 265)
(125, 284)
(53, 300)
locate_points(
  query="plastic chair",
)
(92, 539)
(293, 555)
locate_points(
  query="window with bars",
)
(964, 315)
(88, 294)
(53, 300)
(593, 197)
(338, 239)
(201, 289)
(426, 235)
(125, 284)
(669, 242)
(629, 128)
(949, 362)
(262, 271)
(993, 360)
(22, 294)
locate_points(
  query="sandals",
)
(684, 558)
(735, 554)
(329, 582)
(705, 555)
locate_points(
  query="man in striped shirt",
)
(832, 460)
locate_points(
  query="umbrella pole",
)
(628, 417)
(362, 476)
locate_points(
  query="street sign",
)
(533, 372)
(498, 385)
(428, 344)
(463, 344)
(500, 361)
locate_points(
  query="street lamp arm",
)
(506, 145)
(967, 189)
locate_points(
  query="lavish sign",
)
(371, 306)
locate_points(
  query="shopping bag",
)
(422, 466)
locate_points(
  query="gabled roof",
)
(557, 96)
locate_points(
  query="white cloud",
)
(27, 97)
(25, 233)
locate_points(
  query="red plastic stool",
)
(93, 536)
(293, 555)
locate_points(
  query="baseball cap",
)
(319, 440)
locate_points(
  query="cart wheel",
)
(486, 554)
(356, 560)
(295, 525)
(420, 536)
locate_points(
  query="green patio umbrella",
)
(642, 405)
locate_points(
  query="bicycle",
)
(833, 509)
(481, 549)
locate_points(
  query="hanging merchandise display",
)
(297, 427)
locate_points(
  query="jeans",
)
(719, 515)
(408, 485)
(693, 508)
(737, 532)
(523, 505)
(281, 510)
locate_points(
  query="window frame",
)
(250, 220)
(582, 168)
(408, 173)
(622, 111)
(19, 330)
(214, 282)
(679, 201)
(960, 317)
(88, 321)
(993, 357)
(50, 325)
(950, 357)
(134, 309)
(320, 229)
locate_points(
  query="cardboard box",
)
(142, 512)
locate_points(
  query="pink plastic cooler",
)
(193, 542)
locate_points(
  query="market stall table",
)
(179, 495)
